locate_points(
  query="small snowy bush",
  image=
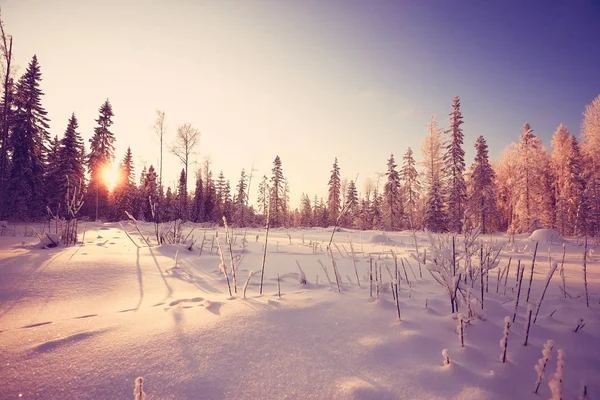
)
(504, 340)
(540, 367)
(556, 383)
(445, 356)
(138, 389)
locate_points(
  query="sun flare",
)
(111, 177)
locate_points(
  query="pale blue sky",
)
(309, 80)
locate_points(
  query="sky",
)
(309, 80)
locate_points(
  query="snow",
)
(546, 236)
(85, 321)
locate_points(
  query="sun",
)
(111, 177)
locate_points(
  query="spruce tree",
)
(277, 194)
(454, 160)
(170, 208)
(333, 199)
(434, 215)
(240, 198)
(71, 163)
(125, 191)
(101, 157)
(411, 186)
(53, 174)
(28, 140)
(197, 215)
(182, 196)
(351, 205)
(392, 196)
(306, 212)
(263, 196)
(482, 201)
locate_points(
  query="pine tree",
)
(482, 201)
(434, 218)
(101, 157)
(169, 208)
(226, 198)
(263, 196)
(333, 200)
(53, 174)
(454, 160)
(277, 194)
(410, 186)
(28, 140)
(590, 148)
(71, 163)
(306, 212)
(197, 214)
(351, 205)
(240, 198)
(392, 196)
(182, 196)
(210, 194)
(126, 191)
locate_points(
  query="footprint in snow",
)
(35, 325)
(193, 300)
(86, 316)
(213, 306)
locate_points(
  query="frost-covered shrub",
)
(556, 383)
(138, 389)
(504, 340)
(446, 360)
(540, 367)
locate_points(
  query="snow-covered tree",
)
(306, 212)
(392, 196)
(263, 196)
(351, 204)
(590, 147)
(569, 185)
(334, 199)
(506, 185)
(433, 161)
(533, 207)
(454, 163)
(277, 194)
(240, 199)
(482, 201)
(148, 193)
(411, 186)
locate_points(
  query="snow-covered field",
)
(83, 322)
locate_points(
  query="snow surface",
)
(84, 322)
(546, 236)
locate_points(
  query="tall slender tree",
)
(435, 217)
(197, 214)
(411, 187)
(392, 196)
(334, 199)
(454, 160)
(71, 162)
(125, 191)
(183, 147)
(6, 112)
(101, 156)
(240, 198)
(182, 197)
(590, 148)
(277, 194)
(482, 201)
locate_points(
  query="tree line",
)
(530, 187)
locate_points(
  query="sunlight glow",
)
(111, 176)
